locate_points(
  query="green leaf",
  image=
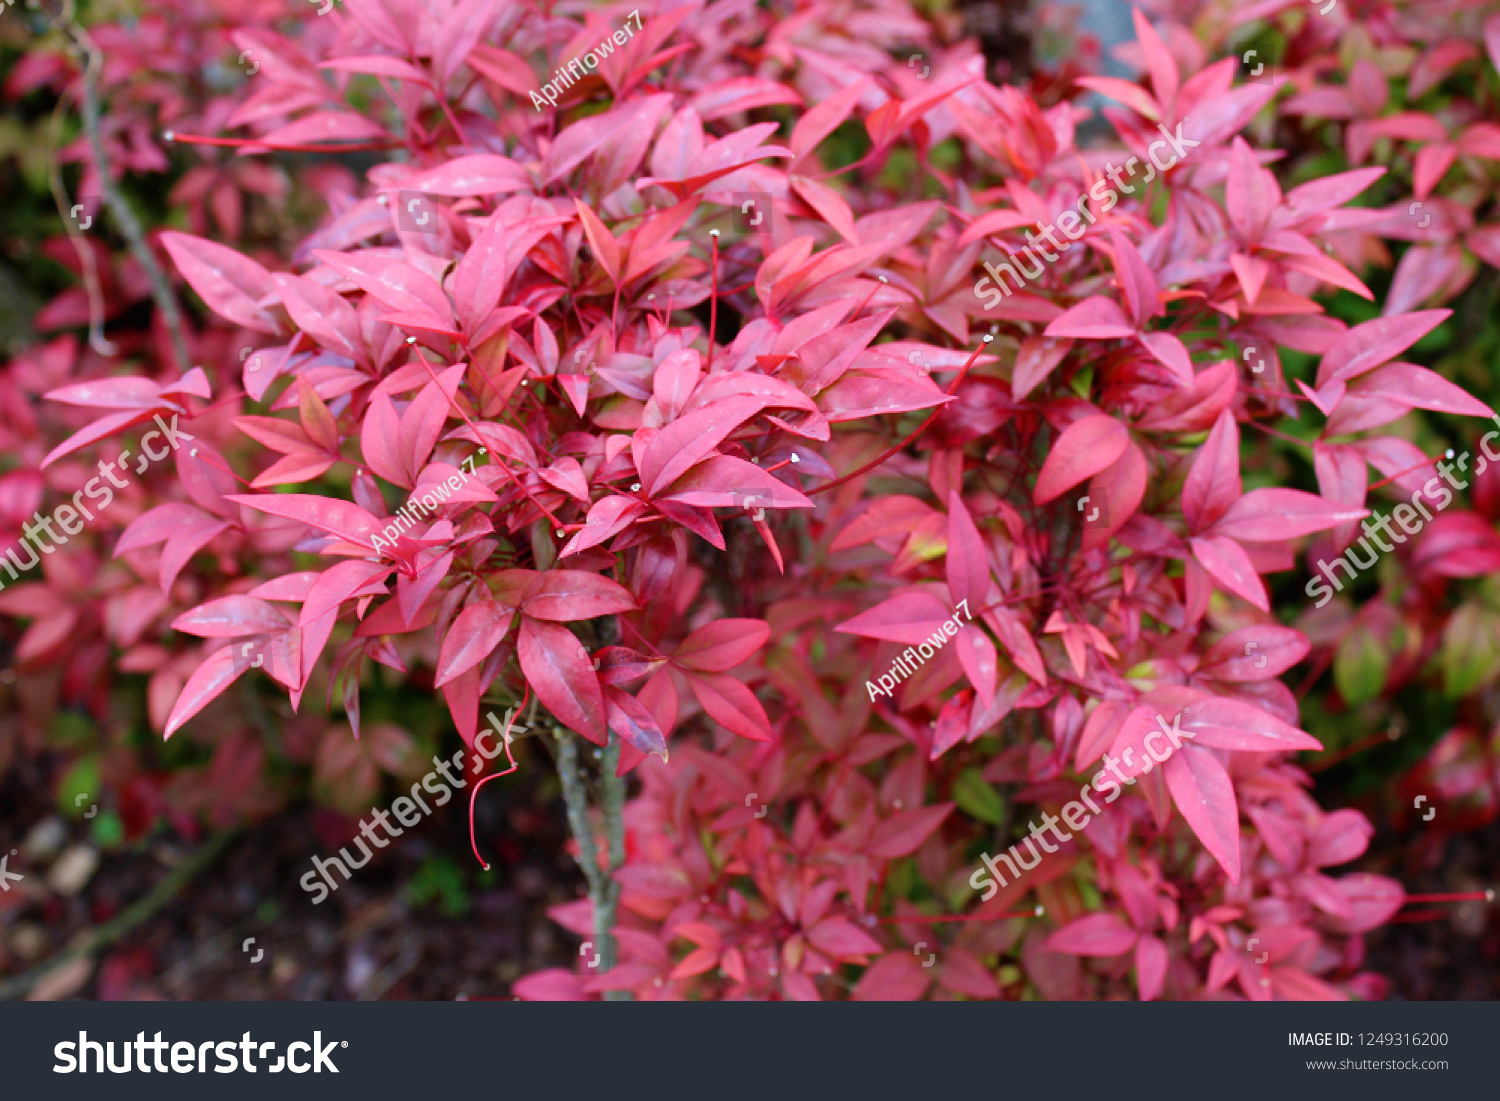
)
(109, 829)
(977, 798)
(1470, 655)
(1360, 667)
(79, 789)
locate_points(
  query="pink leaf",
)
(1171, 353)
(903, 832)
(1213, 481)
(1085, 447)
(730, 704)
(229, 283)
(967, 560)
(690, 438)
(479, 279)
(1151, 962)
(883, 517)
(1270, 515)
(1367, 346)
(231, 617)
(1093, 935)
(1204, 794)
(719, 646)
(347, 521)
(1420, 387)
(1254, 653)
(897, 977)
(1223, 723)
(976, 653)
(1094, 318)
(208, 681)
(909, 617)
(1228, 564)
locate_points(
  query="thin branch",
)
(127, 919)
(119, 209)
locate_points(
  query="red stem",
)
(713, 302)
(920, 429)
(241, 143)
(473, 795)
(918, 918)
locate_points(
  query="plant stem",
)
(128, 918)
(119, 209)
(614, 839)
(604, 893)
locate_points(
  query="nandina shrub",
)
(675, 442)
(1411, 88)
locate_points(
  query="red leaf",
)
(967, 560)
(909, 617)
(843, 940)
(1093, 935)
(1369, 345)
(1171, 353)
(630, 719)
(474, 635)
(480, 277)
(903, 832)
(1254, 653)
(156, 526)
(1231, 567)
(1457, 544)
(897, 977)
(558, 668)
(1417, 386)
(1272, 515)
(824, 118)
(1037, 358)
(395, 285)
(690, 438)
(231, 617)
(1096, 318)
(348, 521)
(1223, 723)
(730, 704)
(620, 665)
(483, 174)
(229, 284)
(719, 646)
(1151, 962)
(1085, 447)
(976, 653)
(566, 596)
(885, 516)
(182, 544)
(378, 437)
(208, 681)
